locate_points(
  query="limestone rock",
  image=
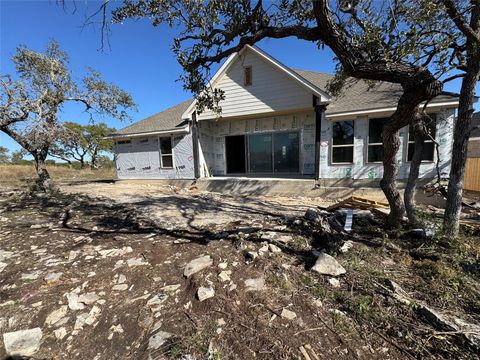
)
(120, 287)
(56, 315)
(158, 340)
(136, 262)
(256, 284)
(327, 265)
(74, 303)
(204, 293)
(334, 282)
(224, 276)
(52, 277)
(23, 342)
(197, 265)
(88, 298)
(60, 333)
(287, 314)
(274, 248)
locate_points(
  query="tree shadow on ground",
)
(101, 219)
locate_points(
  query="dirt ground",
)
(99, 269)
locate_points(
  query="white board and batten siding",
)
(140, 158)
(271, 90)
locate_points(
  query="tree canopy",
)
(30, 106)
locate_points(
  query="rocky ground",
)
(96, 272)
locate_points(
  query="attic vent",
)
(247, 75)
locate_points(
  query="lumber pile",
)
(355, 202)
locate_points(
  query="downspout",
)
(319, 115)
(196, 154)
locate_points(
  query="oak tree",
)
(31, 104)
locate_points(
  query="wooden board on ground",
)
(356, 202)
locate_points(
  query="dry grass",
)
(21, 174)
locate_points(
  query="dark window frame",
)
(427, 141)
(124, 142)
(336, 146)
(162, 155)
(376, 144)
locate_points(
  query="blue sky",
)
(140, 60)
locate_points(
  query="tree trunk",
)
(461, 135)
(93, 164)
(82, 162)
(463, 126)
(391, 144)
(418, 85)
(408, 195)
(44, 181)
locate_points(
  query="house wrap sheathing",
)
(275, 101)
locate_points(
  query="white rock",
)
(222, 265)
(52, 277)
(34, 275)
(93, 315)
(256, 284)
(115, 329)
(115, 252)
(121, 279)
(158, 340)
(287, 314)
(88, 298)
(81, 321)
(60, 333)
(224, 276)
(274, 248)
(7, 303)
(263, 250)
(170, 288)
(2, 266)
(346, 246)
(334, 282)
(157, 300)
(327, 265)
(74, 303)
(205, 293)
(23, 342)
(56, 315)
(136, 262)
(120, 287)
(197, 265)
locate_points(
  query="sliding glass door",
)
(260, 153)
(286, 152)
(274, 152)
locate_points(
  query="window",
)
(428, 152)
(144, 141)
(342, 142)
(247, 75)
(166, 154)
(124, 142)
(375, 143)
(274, 152)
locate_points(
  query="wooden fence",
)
(472, 174)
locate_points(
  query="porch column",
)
(196, 155)
(319, 115)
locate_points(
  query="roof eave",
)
(363, 112)
(184, 129)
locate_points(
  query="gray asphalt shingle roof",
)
(357, 96)
(169, 119)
